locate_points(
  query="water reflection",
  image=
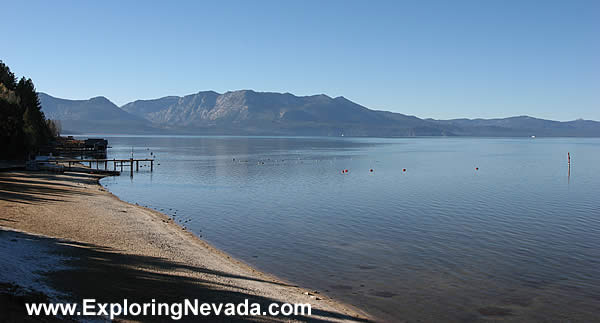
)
(441, 241)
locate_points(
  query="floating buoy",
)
(476, 168)
(345, 170)
(371, 170)
(404, 169)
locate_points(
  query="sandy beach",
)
(65, 236)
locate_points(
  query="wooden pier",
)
(98, 163)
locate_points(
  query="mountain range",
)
(247, 112)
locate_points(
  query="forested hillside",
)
(23, 127)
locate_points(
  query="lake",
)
(475, 229)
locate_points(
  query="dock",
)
(102, 165)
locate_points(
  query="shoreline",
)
(141, 244)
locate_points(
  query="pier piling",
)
(95, 164)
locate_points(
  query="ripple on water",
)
(438, 236)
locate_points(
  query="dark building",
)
(96, 144)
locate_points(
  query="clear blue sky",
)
(441, 59)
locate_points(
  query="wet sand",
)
(111, 250)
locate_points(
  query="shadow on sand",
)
(24, 188)
(110, 276)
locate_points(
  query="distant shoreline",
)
(159, 135)
(119, 250)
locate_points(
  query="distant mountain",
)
(94, 115)
(522, 126)
(248, 112)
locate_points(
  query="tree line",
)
(23, 127)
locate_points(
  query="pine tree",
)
(23, 127)
(7, 77)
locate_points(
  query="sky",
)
(432, 59)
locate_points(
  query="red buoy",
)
(345, 170)
(476, 168)
(404, 169)
(371, 170)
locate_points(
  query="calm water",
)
(516, 240)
